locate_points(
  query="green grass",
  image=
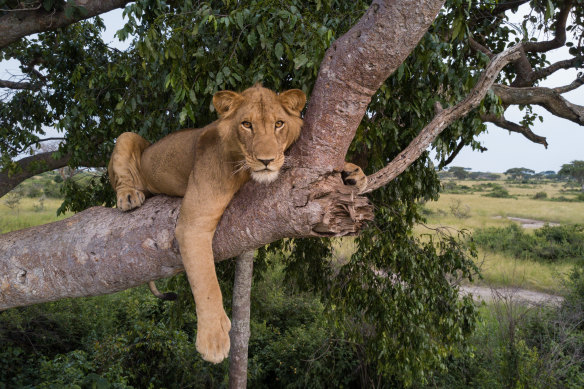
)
(499, 269)
(25, 215)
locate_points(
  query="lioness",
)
(207, 166)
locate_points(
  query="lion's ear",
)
(293, 100)
(226, 100)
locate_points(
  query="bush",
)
(547, 243)
(459, 210)
(454, 188)
(540, 195)
(499, 192)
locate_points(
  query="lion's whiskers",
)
(239, 166)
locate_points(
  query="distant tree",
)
(549, 174)
(522, 173)
(574, 170)
(12, 199)
(459, 172)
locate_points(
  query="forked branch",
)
(442, 120)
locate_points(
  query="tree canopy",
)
(180, 53)
(574, 170)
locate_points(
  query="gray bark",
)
(15, 25)
(240, 316)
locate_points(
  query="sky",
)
(505, 150)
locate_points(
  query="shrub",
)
(499, 192)
(540, 195)
(453, 187)
(547, 243)
(459, 210)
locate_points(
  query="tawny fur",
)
(206, 167)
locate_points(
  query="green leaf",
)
(279, 50)
(192, 96)
(183, 116)
(300, 61)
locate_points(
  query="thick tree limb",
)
(102, 250)
(443, 118)
(15, 25)
(348, 78)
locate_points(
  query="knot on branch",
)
(344, 211)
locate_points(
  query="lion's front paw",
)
(129, 198)
(353, 175)
(213, 338)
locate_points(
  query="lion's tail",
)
(170, 296)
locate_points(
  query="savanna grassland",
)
(474, 205)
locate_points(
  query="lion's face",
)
(263, 125)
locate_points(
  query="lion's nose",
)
(266, 162)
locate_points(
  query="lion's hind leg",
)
(124, 171)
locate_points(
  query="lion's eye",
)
(246, 125)
(279, 124)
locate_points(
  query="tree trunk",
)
(103, 250)
(240, 315)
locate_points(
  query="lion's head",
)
(261, 125)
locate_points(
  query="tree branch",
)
(15, 25)
(560, 33)
(348, 78)
(104, 250)
(30, 166)
(565, 64)
(18, 85)
(575, 84)
(547, 98)
(500, 121)
(442, 120)
(505, 6)
(451, 157)
(476, 46)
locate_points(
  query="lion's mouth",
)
(265, 175)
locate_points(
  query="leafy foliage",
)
(127, 340)
(547, 243)
(574, 170)
(499, 192)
